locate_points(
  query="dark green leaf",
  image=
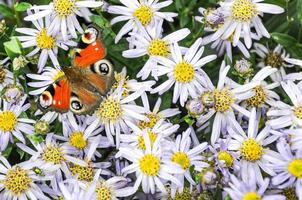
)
(6, 11)
(284, 39)
(22, 6)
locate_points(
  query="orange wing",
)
(91, 54)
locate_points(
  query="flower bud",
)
(243, 68)
(41, 127)
(12, 93)
(19, 63)
(194, 107)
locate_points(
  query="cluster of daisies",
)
(236, 139)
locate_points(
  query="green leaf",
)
(13, 47)
(284, 39)
(21, 153)
(22, 6)
(299, 10)
(7, 151)
(6, 11)
(189, 120)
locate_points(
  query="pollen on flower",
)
(2, 75)
(144, 14)
(182, 159)
(243, 10)
(153, 119)
(158, 47)
(251, 150)
(295, 168)
(223, 99)
(259, 97)
(185, 195)
(85, 173)
(110, 110)
(226, 157)
(273, 59)
(17, 181)
(53, 154)
(58, 75)
(251, 196)
(103, 192)
(64, 7)
(184, 72)
(41, 127)
(45, 41)
(149, 164)
(290, 194)
(298, 112)
(141, 141)
(8, 121)
(118, 78)
(77, 140)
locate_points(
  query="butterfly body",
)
(83, 85)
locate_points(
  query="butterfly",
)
(83, 85)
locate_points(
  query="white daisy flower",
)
(139, 13)
(288, 168)
(136, 139)
(109, 189)
(252, 147)
(184, 72)
(116, 113)
(241, 16)
(70, 189)
(150, 167)
(12, 124)
(19, 182)
(222, 101)
(242, 190)
(42, 81)
(131, 86)
(284, 115)
(78, 138)
(263, 91)
(150, 42)
(277, 58)
(213, 19)
(51, 158)
(155, 114)
(63, 15)
(295, 137)
(184, 155)
(45, 42)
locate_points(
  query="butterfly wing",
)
(90, 48)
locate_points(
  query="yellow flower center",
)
(273, 59)
(64, 8)
(223, 99)
(104, 192)
(185, 195)
(158, 47)
(243, 10)
(17, 181)
(2, 75)
(84, 173)
(45, 41)
(298, 112)
(141, 141)
(110, 110)
(144, 14)
(41, 127)
(259, 97)
(251, 150)
(184, 72)
(58, 75)
(149, 164)
(77, 140)
(251, 196)
(295, 168)
(226, 157)
(290, 194)
(8, 121)
(182, 159)
(153, 119)
(53, 154)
